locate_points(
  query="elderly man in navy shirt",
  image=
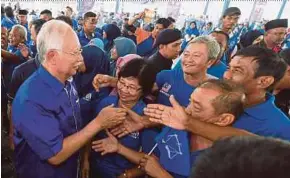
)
(46, 114)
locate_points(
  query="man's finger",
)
(98, 146)
(98, 149)
(156, 120)
(97, 142)
(174, 103)
(122, 134)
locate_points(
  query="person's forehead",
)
(280, 29)
(242, 61)
(203, 95)
(232, 16)
(129, 80)
(196, 48)
(159, 25)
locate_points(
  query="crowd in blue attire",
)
(122, 101)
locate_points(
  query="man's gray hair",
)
(51, 36)
(22, 31)
(212, 46)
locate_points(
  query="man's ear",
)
(265, 81)
(51, 57)
(225, 119)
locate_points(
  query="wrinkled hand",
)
(24, 50)
(107, 145)
(151, 166)
(110, 117)
(131, 124)
(101, 80)
(86, 169)
(174, 117)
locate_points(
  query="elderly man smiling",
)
(46, 114)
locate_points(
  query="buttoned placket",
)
(73, 100)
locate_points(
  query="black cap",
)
(277, 23)
(232, 11)
(22, 12)
(167, 36)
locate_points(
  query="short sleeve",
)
(104, 103)
(38, 127)
(162, 77)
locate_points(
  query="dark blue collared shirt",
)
(84, 40)
(44, 113)
(20, 74)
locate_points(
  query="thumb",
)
(110, 106)
(174, 103)
(109, 134)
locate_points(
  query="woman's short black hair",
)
(141, 70)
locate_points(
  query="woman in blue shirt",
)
(135, 80)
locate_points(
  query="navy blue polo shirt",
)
(84, 40)
(174, 144)
(112, 165)
(265, 119)
(44, 113)
(20, 74)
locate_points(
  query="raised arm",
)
(177, 118)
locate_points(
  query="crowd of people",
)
(127, 100)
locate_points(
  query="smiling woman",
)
(135, 80)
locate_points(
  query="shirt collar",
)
(262, 109)
(84, 34)
(54, 83)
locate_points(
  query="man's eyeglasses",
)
(75, 53)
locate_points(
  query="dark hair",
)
(222, 33)
(69, 8)
(163, 21)
(192, 23)
(172, 20)
(47, 12)
(89, 14)
(209, 23)
(37, 24)
(268, 63)
(244, 157)
(285, 55)
(231, 98)
(126, 19)
(140, 69)
(66, 19)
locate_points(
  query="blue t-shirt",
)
(217, 70)
(265, 119)
(44, 113)
(174, 144)
(112, 165)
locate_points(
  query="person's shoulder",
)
(28, 65)
(111, 99)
